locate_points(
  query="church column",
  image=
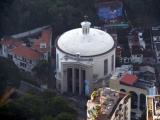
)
(73, 80)
(80, 82)
(138, 105)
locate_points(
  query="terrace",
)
(103, 103)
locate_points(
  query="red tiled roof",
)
(136, 50)
(26, 52)
(129, 79)
(44, 38)
(11, 42)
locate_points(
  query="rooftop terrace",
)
(103, 103)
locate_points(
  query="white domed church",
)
(85, 58)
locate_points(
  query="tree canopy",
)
(62, 14)
(143, 12)
(38, 107)
(42, 71)
(9, 74)
(22, 15)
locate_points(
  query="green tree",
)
(38, 107)
(65, 116)
(9, 74)
(48, 118)
(62, 14)
(42, 71)
(142, 12)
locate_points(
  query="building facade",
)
(156, 42)
(125, 79)
(27, 54)
(85, 58)
(153, 107)
(108, 104)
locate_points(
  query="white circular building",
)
(85, 58)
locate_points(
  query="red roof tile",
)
(129, 79)
(11, 42)
(46, 36)
(26, 52)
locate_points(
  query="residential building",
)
(85, 59)
(148, 57)
(155, 32)
(136, 46)
(25, 57)
(153, 107)
(137, 82)
(136, 55)
(27, 54)
(109, 104)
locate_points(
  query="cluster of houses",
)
(28, 48)
(136, 74)
(138, 50)
(137, 54)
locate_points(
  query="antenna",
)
(85, 17)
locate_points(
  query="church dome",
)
(85, 41)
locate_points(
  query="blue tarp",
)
(86, 87)
(105, 12)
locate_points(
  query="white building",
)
(85, 58)
(25, 58)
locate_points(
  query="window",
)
(106, 67)
(138, 55)
(22, 64)
(112, 65)
(42, 45)
(24, 59)
(10, 56)
(30, 61)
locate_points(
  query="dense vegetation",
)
(46, 106)
(9, 74)
(21, 15)
(42, 71)
(143, 12)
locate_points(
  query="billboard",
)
(110, 10)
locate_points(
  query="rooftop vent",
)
(85, 27)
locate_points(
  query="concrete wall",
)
(98, 64)
(128, 105)
(29, 66)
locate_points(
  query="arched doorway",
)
(122, 90)
(142, 102)
(134, 99)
